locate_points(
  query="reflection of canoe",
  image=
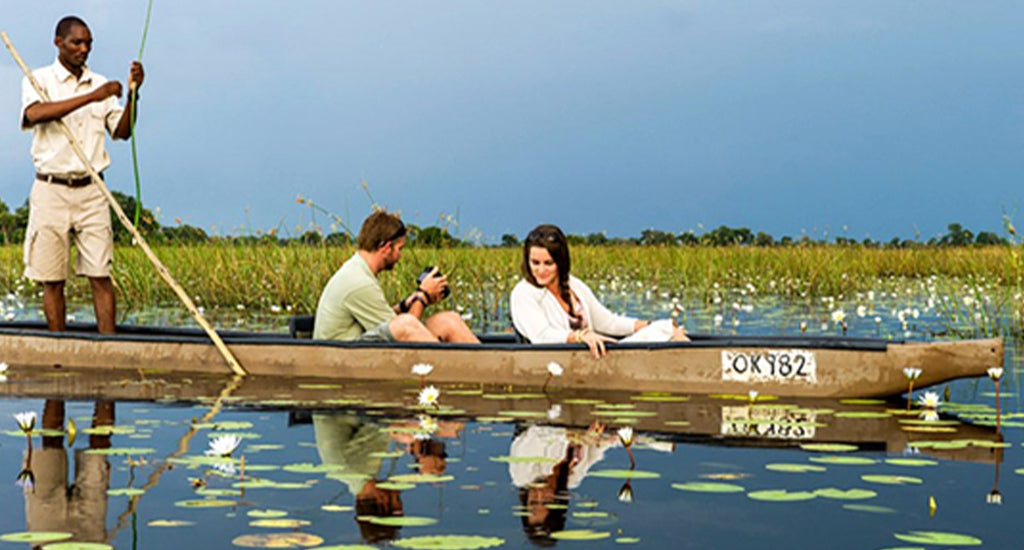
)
(812, 366)
(699, 419)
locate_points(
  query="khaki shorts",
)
(59, 214)
(379, 333)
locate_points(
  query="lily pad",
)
(892, 479)
(911, 462)
(336, 508)
(580, 534)
(398, 521)
(938, 538)
(829, 447)
(392, 486)
(204, 503)
(708, 487)
(75, 545)
(843, 460)
(170, 523)
(627, 540)
(35, 536)
(126, 491)
(794, 468)
(862, 401)
(658, 397)
(278, 540)
(781, 495)
(268, 513)
(523, 414)
(848, 494)
(582, 401)
(869, 508)
(447, 542)
(514, 396)
(281, 523)
(625, 474)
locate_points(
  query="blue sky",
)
(888, 117)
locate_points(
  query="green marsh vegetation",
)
(967, 284)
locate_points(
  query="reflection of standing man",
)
(81, 508)
(64, 204)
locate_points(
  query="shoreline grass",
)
(265, 276)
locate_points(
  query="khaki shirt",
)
(352, 303)
(52, 154)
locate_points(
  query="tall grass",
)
(270, 276)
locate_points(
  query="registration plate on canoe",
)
(772, 365)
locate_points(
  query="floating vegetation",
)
(448, 542)
(840, 460)
(871, 509)
(794, 468)
(625, 474)
(170, 523)
(580, 534)
(911, 462)
(847, 494)
(938, 538)
(278, 540)
(35, 537)
(708, 487)
(781, 495)
(828, 447)
(398, 521)
(885, 479)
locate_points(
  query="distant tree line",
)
(12, 231)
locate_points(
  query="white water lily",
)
(718, 319)
(428, 426)
(803, 326)
(911, 373)
(554, 369)
(428, 396)
(3, 371)
(995, 373)
(838, 316)
(930, 400)
(862, 310)
(554, 412)
(422, 369)
(752, 395)
(26, 420)
(223, 445)
(626, 436)
(929, 415)
(626, 493)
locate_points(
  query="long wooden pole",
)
(160, 268)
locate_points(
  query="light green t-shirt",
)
(352, 303)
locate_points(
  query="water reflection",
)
(79, 508)
(356, 447)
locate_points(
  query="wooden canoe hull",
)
(844, 367)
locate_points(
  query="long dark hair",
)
(550, 238)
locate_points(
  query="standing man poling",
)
(64, 205)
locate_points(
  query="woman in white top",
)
(551, 306)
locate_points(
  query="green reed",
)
(260, 277)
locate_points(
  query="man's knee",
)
(445, 322)
(405, 327)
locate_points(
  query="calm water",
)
(333, 464)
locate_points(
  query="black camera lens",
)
(425, 273)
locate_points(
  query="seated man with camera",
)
(353, 306)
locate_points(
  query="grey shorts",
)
(379, 333)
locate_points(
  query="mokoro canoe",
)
(808, 366)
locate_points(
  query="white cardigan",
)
(538, 316)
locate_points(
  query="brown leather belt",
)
(72, 182)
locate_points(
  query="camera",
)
(425, 273)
